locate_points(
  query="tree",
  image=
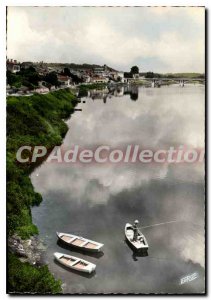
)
(149, 75)
(75, 78)
(134, 70)
(66, 72)
(51, 78)
(27, 77)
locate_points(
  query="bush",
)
(24, 278)
(86, 87)
(26, 231)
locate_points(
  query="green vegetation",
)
(35, 120)
(75, 78)
(30, 78)
(152, 75)
(26, 77)
(83, 88)
(173, 75)
(51, 79)
(92, 86)
(24, 278)
(134, 70)
(31, 121)
(73, 66)
(184, 75)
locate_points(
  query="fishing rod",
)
(159, 224)
(176, 221)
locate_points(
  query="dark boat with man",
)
(135, 237)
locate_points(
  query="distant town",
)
(27, 78)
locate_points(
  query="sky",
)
(158, 39)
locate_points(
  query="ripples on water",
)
(96, 201)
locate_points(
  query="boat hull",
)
(80, 247)
(139, 245)
(88, 269)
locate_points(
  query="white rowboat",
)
(80, 242)
(140, 243)
(75, 263)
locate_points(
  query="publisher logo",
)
(189, 278)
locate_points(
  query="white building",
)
(42, 90)
(99, 79)
(64, 80)
(87, 78)
(120, 76)
(13, 66)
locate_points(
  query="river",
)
(95, 201)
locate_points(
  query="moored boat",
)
(140, 243)
(75, 263)
(80, 242)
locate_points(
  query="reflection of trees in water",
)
(119, 91)
(134, 96)
(132, 90)
(82, 93)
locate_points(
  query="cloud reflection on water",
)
(160, 118)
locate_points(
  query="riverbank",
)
(35, 120)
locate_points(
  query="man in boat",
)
(135, 229)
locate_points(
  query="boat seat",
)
(90, 245)
(75, 262)
(84, 244)
(68, 261)
(68, 239)
(73, 239)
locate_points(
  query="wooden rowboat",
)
(75, 263)
(80, 242)
(140, 243)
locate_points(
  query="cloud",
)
(121, 37)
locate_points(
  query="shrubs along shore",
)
(34, 120)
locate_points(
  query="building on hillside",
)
(103, 71)
(76, 73)
(99, 71)
(42, 90)
(99, 79)
(42, 72)
(26, 64)
(136, 76)
(64, 80)
(13, 66)
(23, 90)
(42, 83)
(129, 77)
(116, 76)
(86, 78)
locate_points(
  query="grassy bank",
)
(25, 278)
(92, 86)
(35, 120)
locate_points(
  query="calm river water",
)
(95, 201)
